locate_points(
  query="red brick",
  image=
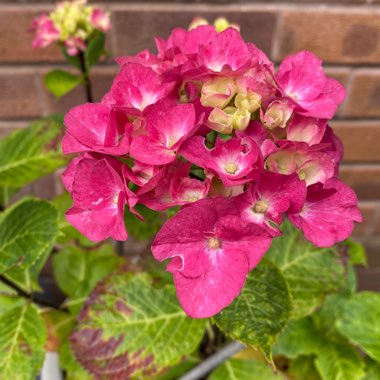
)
(19, 94)
(135, 29)
(16, 40)
(360, 139)
(364, 179)
(364, 96)
(373, 255)
(369, 279)
(369, 212)
(7, 127)
(344, 36)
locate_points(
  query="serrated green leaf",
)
(303, 368)
(22, 339)
(261, 311)
(60, 82)
(95, 49)
(30, 153)
(146, 229)
(310, 272)
(239, 369)
(356, 252)
(298, 338)
(360, 322)
(373, 372)
(139, 324)
(27, 231)
(339, 362)
(77, 271)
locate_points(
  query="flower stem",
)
(30, 296)
(86, 76)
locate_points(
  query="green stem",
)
(86, 76)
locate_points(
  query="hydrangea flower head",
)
(206, 125)
(72, 24)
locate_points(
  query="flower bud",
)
(277, 114)
(220, 121)
(250, 101)
(197, 21)
(239, 118)
(217, 92)
(221, 23)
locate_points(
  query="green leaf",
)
(339, 362)
(95, 49)
(239, 369)
(360, 322)
(373, 372)
(299, 338)
(30, 153)
(356, 252)
(310, 272)
(303, 368)
(143, 230)
(22, 339)
(60, 82)
(77, 271)
(138, 323)
(261, 311)
(27, 231)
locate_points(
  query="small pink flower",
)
(302, 80)
(99, 195)
(211, 252)
(100, 20)
(94, 127)
(235, 161)
(306, 129)
(311, 164)
(277, 114)
(273, 194)
(137, 87)
(166, 130)
(174, 188)
(329, 213)
(74, 45)
(46, 32)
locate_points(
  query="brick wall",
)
(344, 33)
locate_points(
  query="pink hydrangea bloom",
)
(211, 251)
(302, 80)
(166, 130)
(274, 194)
(174, 187)
(306, 129)
(137, 87)
(100, 20)
(46, 32)
(329, 213)
(235, 161)
(310, 163)
(74, 45)
(99, 194)
(98, 128)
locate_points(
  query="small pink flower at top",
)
(211, 252)
(46, 32)
(100, 20)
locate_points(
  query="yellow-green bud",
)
(251, 101)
